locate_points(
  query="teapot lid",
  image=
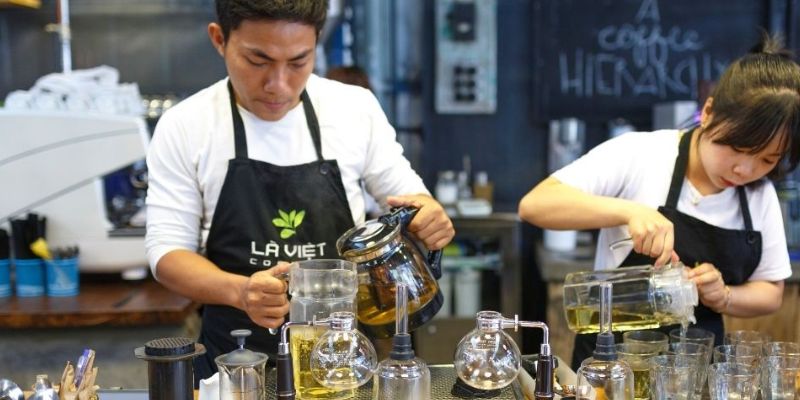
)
(372, 234)
(241, 356)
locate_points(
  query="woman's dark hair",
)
(757, 99)
(231, 13)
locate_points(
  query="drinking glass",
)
(732, 381)
(748, 337)
(672, 377)
(697, 353)
(638, 358)
(780, 377)
(656, 339)
(737, 353)
(781, 348)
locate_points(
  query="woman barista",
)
(699, 194)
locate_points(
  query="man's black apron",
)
(265, 214)
(736, 253)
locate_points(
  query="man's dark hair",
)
(231, 13)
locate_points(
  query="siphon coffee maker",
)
(603, 376)
(241, 372)
(318, 288)
(386, 255)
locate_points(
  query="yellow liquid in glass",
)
(641, 384)
(371, 313)
(303, 339)
(587, 320)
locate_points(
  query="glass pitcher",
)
(241, 372)
(318, 288)
(644, 297)
(387, 256)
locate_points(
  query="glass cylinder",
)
(644, 297)
(318, 288)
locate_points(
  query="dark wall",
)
(508, 144)
(161, 45)
(664, 50)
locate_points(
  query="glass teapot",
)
(386, 255)
(644, 297)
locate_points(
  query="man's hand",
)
(264, 297)
(431, 225)
(710, 286)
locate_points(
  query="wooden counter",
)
(119, 303)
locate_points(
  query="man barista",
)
(264, 166)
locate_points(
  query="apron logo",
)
(289, 222)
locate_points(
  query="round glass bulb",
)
(343, 358)
(487, 358)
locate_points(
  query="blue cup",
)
(30, 277)
(62, 277)
(5, 278)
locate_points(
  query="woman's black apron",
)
(736, 253)
(265, 214)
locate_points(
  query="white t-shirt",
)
(638, 166)
(188, 157)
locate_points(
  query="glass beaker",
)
(241, 372)
(318, 288)
(644, 297)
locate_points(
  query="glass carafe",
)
(386, 256)
(318, 288)
(241, 372)
(644, 297)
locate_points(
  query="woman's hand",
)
(713, 292)
(652, 234)
(431, 225)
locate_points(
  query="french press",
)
(385, 256)
(241, 372)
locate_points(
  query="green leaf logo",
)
(289, 222)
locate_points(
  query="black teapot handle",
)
(404, 215)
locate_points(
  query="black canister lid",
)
(173, 346)
(370, 235)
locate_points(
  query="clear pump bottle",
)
(602, 376)
(402, 376)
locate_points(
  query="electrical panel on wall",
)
(466, 56)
